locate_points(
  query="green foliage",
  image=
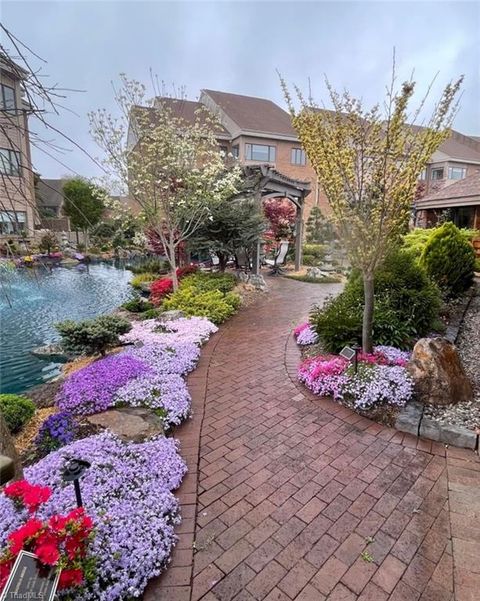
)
(205, 295)
(315, 250)
(17, 411)
(406, 306)
(309, 260)
(142, 278)
(153, 265)
(92, 336)
(416, 240)
(449, 259)
(318, 229)
(150, 313)
(476, 266)
(137, 305)
(83, 203)
(311, 280)
(233, 224)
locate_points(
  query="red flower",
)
(16, 490)
(57, 523)
(18, 538)
(69, 578)
(35, 496)
(48, 554)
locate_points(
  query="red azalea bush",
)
(61, 541)
(187, 270)
(164, 286)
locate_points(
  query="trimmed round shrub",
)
(315, 250)
(449, 259)
(309, 260)
(212, 304)
(143, 278)
(17, 411)
(92, 336)
(406, 306)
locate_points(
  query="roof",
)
(463, 192)
(458, 146)
(49, 192)
(254, 114)
(188, 110)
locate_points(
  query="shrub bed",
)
(17, 411)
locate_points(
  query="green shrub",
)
(416, 240)
(449, 259)
(315, 250)
(137, 305)
(476, 266)
(142, 278)
(309, 260)
(406, 306)
(205, 282)
(153, 265)
(150, 314)
(92, 336)
(17, 411)
(212, 304)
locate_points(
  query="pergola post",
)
(298, 237)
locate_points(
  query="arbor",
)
(83, 204)
(368, 163)
(171, 166)
(233, 224)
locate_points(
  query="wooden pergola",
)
(262, 181)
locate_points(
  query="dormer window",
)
(437, 173)
(457, 173)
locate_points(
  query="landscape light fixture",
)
(73, 471)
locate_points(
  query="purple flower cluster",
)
(56, 431)
(196, 330)
(128, 492)
(158, 391)
(307, 336)
(91, 389)
(376, 384)
(394, 355)
(175, 357)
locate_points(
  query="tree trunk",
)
(173, 264)
(223, 260)
(367, 328)
(78, 239)
(8, 449)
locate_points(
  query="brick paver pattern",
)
(294, 497)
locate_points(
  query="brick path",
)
(293, 497)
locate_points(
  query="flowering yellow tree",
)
(368, 163)
(171, 167)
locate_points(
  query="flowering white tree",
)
(172, 167)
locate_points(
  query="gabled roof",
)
(256, 115)
(464, 192)
(188, 110)
(49, 192)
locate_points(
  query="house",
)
(257, 131)
(17, 197)
(49, 200)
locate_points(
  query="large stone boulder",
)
(437, 373)
(129, 423)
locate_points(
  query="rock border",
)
(412, 421)
(453, 328)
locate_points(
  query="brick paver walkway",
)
(294, 497)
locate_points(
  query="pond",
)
(33, 300)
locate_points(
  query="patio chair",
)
(279, 260)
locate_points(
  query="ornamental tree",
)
(83, 204)
(172, 167)
(235, 223)
(368, 162)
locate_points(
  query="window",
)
(437, 173)
(298, 156)
(423, 175)
(12, 222)
(260, 152)
(224, 149)
(236, 151)
(9, 161)
(7, 98)
(457, 172)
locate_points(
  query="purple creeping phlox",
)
(91, 389)
(128, 493)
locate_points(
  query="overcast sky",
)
(236, 46)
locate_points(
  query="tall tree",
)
(234, 224)
(171, 166)
(368, 163)
(83, 204)
(318, 228)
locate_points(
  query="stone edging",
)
(413, 421)
(453, 328)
